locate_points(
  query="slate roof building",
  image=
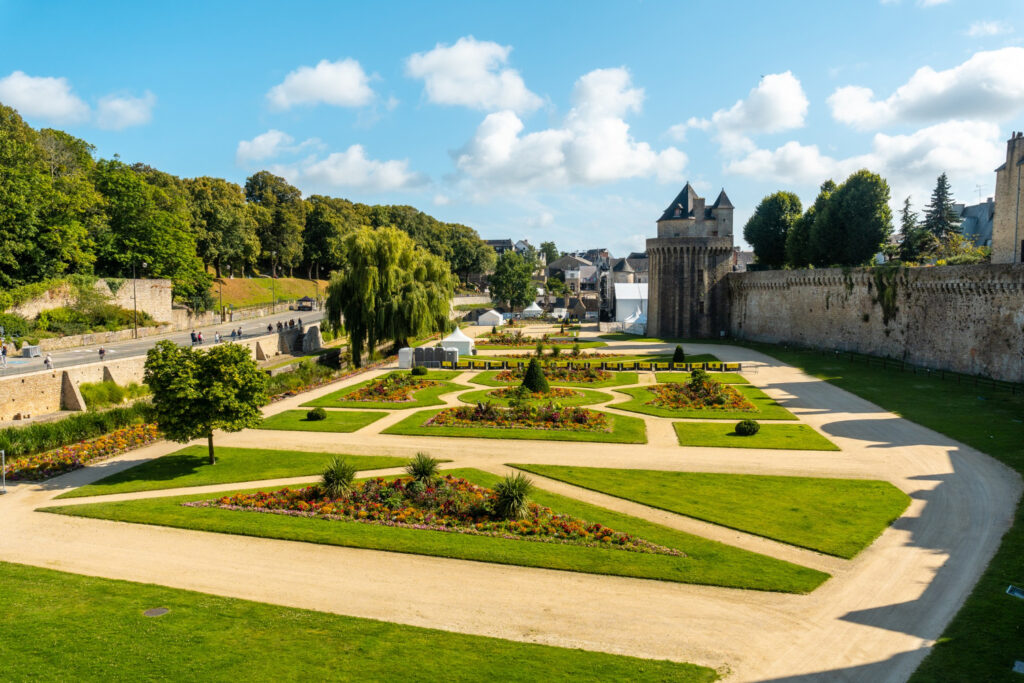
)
(976, 221)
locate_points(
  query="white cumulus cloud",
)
(988, 86)
(115, 112)
(342, 84)
(45, 97)
(593, 145)
(267, 145)
(353, 169)
(981, 29)
(472, 73)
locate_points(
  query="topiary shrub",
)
(512, 496)
(534, 379)
(337, 479)
(747, 427)
(316, 415)
(555, 352)
(540, 349)
(679, 356)
(419, 370)
(422, 468)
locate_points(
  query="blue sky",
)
(570, 121)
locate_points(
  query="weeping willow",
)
(389, 289)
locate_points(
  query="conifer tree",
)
(534, 379)
(940, 218)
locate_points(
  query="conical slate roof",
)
(683, 201)
(723, 201)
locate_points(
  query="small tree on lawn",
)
(679, 356)
(196, 392)
(534, 380)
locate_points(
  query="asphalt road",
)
(138, 347)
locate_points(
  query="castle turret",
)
(1008, 221)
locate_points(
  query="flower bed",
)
(67, 458)
(558, 374)
(447, 504)
(390, 389)
(549, 416)
(682, 396)
(516, 338)
(554, 393)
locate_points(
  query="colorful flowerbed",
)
(699, 393)
(60, 460)
(553, 393)
(516, 338)
(390, 389)
(447, 504)
(558, 374)
(550, 416)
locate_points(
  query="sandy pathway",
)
(871, 622)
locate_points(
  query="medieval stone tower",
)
(688, 262)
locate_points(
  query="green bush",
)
(316, 415)
(512, 496)
(534, 379)
(747, 427)
(326, 334)
(576, 350)
(337, 479)
(422, 468)
(540, 349)
(307, 373)
(678, 356)
(419, 370)
(100, 395)
(14, 325)
(45, 436)
(555, 352)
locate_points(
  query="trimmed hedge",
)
(46, 436)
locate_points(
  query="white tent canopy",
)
(532, 311)
(490, 319)
(459, 341)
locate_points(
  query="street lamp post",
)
(273, 277)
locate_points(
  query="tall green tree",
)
(470, 254)
(511, 282)
(940, 217)
(767, 229)
(280, 225)
(550, 251)
(915, 239)
(224, 226)
(389, 289)
(799, 253)
(197, 392)
(854, 222)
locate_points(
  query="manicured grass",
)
(210, 638)
(624, 430)
(260, 290)
(562, 359)
(723, 435)
(624, 336)
(983, 640)
(337, 421)
(723, 377)
(767, 408)
(190, 467)
(488, 378)
(584, 397)
(428, 396)
(547, 345)
(706, 562)
(834, 516)
(473, 307)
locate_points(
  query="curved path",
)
(873, 621)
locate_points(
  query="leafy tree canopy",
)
(512, 280)
(767, 229)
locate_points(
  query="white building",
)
(631, 305)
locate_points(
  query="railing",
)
(631, 366)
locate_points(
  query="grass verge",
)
(583, 397)
(834, 516)
(337, 421)
(767, 408)
(488, 378)
(706, 562)
(191, 467)
(779, 436)
(207, 637)
(682, 377)
(624, 430)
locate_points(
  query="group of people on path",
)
(282, 326)
(197, 337)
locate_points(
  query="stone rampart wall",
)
(963, 318)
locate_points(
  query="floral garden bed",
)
(682, 396)
(448, 504)
(390, 389)
(588, 375)
(552, 394)
(551, 416)
(75, 456)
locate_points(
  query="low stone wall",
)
(151, 296)
(963, 318)
(48, 391)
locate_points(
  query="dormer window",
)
(678, 213)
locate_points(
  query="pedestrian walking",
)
(194, 338)
(233, 335)
(239, 331)
(3, 355)
(48, 362)
(103, 353)
(270, 328)
(200, 337)
(300, 323)
(216, 337)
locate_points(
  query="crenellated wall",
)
(963, 318)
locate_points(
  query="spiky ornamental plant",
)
(534, 379)
(512, 496)
(337, 479)
(422, 468)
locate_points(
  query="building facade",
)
(1008, 221)
(689, 260)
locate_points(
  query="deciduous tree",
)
(280, 226)
(767, 229)
(854, 222)
(511, 281)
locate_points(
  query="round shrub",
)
(419, 370)
(534, 379)
(316, 414)
(747, 427)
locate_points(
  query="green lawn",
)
(723, 377)
(983, 640)
(210, 638)
(767, 408)
(337, 421)
(584, 397)
(624, 430)
(706, 562)
(483, 345)
(428, 396)
(190, 467)
(835, 516)
(722, 435)
(487, 378)
(625, 336)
